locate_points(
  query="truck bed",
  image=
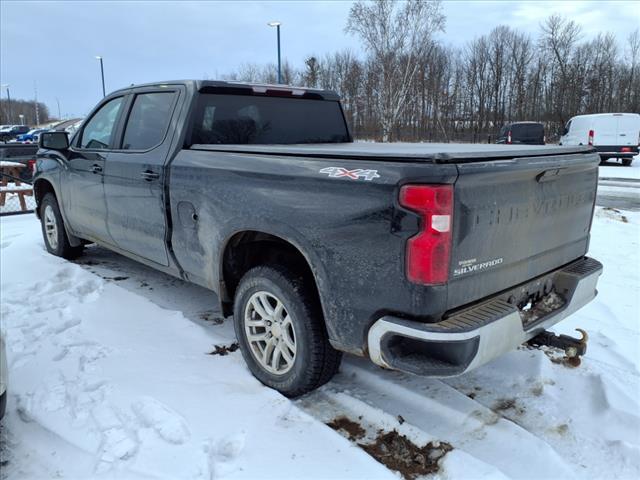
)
(408, 152)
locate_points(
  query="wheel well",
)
(40, 189)
(249, 249)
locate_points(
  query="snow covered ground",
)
(110, 377)
(615, 169)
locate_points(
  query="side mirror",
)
(54, 140)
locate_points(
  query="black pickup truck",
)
(432, 259)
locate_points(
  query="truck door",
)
(134, 175)
(84, 199)
(605, 130)
(626, 134)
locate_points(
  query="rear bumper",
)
(610, 152)
(477, 335)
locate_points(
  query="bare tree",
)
(396, 36)
(407, 88)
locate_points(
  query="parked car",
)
(613, 135)
(522, 133)
(3, 376)
(318, 245)
(31, 135)
(12, 132)
(5, 129)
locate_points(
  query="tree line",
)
(10, 112)
(408, 86)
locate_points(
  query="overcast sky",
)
(54, 44)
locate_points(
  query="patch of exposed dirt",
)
(569, 362)
(397, 452)
(616, 214)
(211, 317)
(83, 261)
(537, 390)
(508, 404)
(353, 429)
(561, 429)
(223, 350)
(394, 450)
(116, 278)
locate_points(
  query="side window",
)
(97, 132)
(148, 120)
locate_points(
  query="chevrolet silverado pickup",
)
(432, 259)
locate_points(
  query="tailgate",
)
(517, 219)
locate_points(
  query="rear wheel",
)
(281, 332)
(53, 231)
(627, 161)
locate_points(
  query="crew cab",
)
(428, 258)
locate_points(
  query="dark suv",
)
(523, 133)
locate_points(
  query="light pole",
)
(277, 25)
(98, 57)
(6, 85)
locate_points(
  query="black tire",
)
(627, 162)
(315, 361)
(59, 245)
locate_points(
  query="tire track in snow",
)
(438, 412)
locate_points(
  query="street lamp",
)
(6, 85)
(277, 25)
(98, 57)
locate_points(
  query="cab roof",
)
(245, 88)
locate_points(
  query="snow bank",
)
(105, 383)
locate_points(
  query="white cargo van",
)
(614, 135)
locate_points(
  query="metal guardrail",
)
(16, 195)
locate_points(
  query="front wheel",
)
(281, 332)
(55, 236)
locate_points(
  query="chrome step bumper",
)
(477, 335)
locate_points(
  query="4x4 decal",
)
(336, 172)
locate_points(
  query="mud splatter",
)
(223, 350)
(353, 429)
(398, 453)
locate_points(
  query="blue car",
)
(30, 136)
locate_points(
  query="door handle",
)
(95, 168)
(149, 175)
(551, 174)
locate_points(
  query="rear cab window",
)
(527, 130)
(252, 119)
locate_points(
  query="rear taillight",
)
(509, 136)
(625, 149)
(591, 135)
(428, 253)
(31, 164)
